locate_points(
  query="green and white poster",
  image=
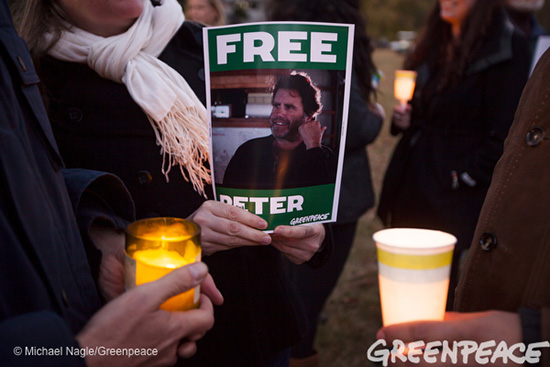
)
(278, 93)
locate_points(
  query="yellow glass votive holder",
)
(156, 246)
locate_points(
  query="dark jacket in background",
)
(47, 292)
(356, 190)
(454, 132)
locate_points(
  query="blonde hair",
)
(217, 4)
(218, 7)
(34, 18)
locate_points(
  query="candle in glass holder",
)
(413, 273)
(403, 87)
(155, 247)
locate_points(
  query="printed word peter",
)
(276, 204)
(289, 46)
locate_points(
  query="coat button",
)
(74, 114)
(488, 241)
(143, 178)
(534, 136)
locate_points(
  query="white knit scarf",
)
(176, 114)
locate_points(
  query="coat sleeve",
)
(363, 124)
(98, 197)
(112, 201)
(535, 325)
(321, 257)
(545, 334)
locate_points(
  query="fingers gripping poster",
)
(278, 97)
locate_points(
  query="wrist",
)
(530, 325)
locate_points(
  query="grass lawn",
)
(353, 311)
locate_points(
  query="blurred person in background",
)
(472, 65)
(208, 12)
(365, 118)
(522, 14)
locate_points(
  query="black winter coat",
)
(456, 133)
(356, 190)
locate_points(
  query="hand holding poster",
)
(279, 95)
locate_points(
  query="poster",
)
(278, 93)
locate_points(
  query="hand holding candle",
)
(155, 247)
(404, 84)
(134, 320)
(413, 273)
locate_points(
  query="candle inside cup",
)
(413, 273)
(405, 81)
(155, 247)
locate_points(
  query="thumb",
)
(177, 281)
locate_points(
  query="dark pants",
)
(314, 286)
(280, 359)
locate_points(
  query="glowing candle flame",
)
(405, 81)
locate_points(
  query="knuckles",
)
(232, 241)
(231, 212)
(233, 228)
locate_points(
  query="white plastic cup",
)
(414, 266)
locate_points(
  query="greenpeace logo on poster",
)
(309, 219)
(266, 46)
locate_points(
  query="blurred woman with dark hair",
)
(365, 119)
(472, 65)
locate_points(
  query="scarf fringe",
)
(183, 135)
(131, 58)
